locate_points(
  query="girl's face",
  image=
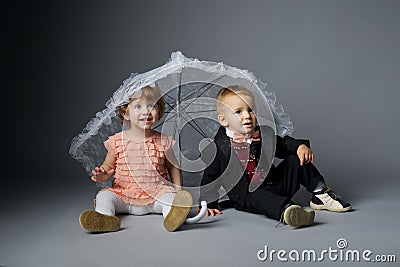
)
(142, 113)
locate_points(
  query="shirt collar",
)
(230, 133)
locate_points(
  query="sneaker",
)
(180, 209)
(94, 221)
(296, 216)
(327, 199)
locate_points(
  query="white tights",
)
(109, 203)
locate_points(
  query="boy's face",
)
(237, 114)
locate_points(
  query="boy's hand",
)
(100, 175)
(210, 212)
(305, 154)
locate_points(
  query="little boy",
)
(239, 140)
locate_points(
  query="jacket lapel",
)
(224, 144)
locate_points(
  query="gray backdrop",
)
(334, 66)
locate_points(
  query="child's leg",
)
(274, 201)
(175, 208)
(266, 200)
(138, 209)
(163, 204)
(293, 175)
(109, 203)
(102, 219)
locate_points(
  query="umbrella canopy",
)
(189, 88)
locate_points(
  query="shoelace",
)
(281, 221)
(333, 194)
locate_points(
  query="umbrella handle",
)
(199, 216)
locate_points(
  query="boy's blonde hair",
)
(229, 91)
(149, 93)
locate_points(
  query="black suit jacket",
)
(226, 170)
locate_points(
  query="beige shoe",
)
(94, 221)
(296, 216)
(180, 209)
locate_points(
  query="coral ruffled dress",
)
(140, 175)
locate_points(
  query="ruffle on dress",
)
(140, 175)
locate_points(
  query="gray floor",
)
(45, 232)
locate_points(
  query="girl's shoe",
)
(180, 209)
(94, 221)
(327, 199)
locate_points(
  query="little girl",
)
(140, 159)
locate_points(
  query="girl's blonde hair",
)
(149, 93)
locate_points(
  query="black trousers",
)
(269, 199)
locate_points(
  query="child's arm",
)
(213, 171)
(210, 212)
(209, 176)
(288, 146)
(305, 154)
(106, 170)
(174, 172)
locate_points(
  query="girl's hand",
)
(305, 154)
(100, 175)
(210, 212)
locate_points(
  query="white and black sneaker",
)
(327, 199)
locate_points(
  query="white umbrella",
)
(189, 87)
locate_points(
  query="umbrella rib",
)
(191, 121)
(199, 130)
(168, 118)
(209, 83)
(202, 93)
(169, 103)
(169, 96)
(208, 110)
(178, 110)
